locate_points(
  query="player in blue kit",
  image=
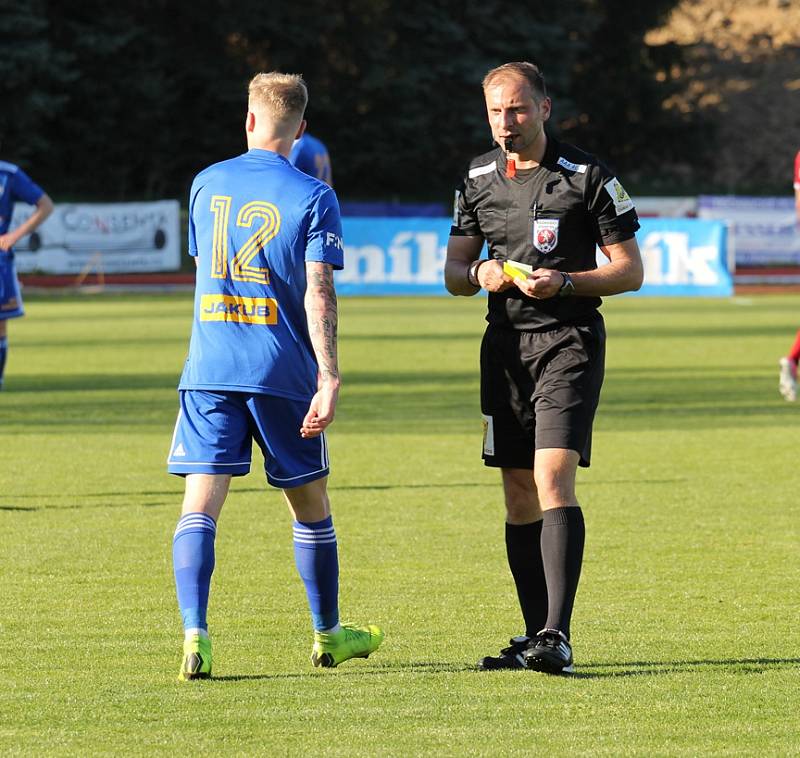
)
(15, 186)
(310, 155)
(262, 365)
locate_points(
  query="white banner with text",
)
(764, 230)
(114, 238)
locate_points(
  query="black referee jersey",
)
(552, 216)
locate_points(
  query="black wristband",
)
(472, 272)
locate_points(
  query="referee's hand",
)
(541, 284)
(492, 278)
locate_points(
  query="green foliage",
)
(402, 98)
(685, 626)
(31, 70)
(620, 84)
(131, 101)
(157, 97)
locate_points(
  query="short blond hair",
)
(283, 97)
(522, 70)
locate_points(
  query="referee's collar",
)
(549, 159)
(551, 152)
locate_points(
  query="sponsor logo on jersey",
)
(335, 240)
(179, 451)
(243, 310)
(622, 200)
(578, 168)
(545, 234)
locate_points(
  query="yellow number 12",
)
(241, 268)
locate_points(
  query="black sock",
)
(524, 550)
(563, 535)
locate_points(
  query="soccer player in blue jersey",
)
(15, 186)
(262, 365)
(310, 155)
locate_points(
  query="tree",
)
(619, 85)
(33, 79)
(130, 101)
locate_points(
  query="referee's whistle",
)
(511, 167)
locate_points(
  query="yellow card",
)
(517, 270)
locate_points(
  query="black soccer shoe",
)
(510, 657)
(549, 651)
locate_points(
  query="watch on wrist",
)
(568, 286)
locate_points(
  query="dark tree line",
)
(129, 100)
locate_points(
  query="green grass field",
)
(686, 626)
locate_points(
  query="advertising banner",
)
(684, 257)
(393, 256)
(669, 207)
(396, 256)
(113, 238)
(763, 229)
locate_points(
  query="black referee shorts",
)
(540, 390)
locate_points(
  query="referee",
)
(542, 207)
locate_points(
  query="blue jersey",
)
(15, 185)
(254, 221)
(311, 156)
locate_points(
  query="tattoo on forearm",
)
(322, 315)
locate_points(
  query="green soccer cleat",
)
(196, 658)
(349, 642)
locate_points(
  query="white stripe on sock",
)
(331, 541)
(194, 521)
(302, 531)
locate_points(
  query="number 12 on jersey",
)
(241, 266)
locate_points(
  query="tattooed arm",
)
(320, 304)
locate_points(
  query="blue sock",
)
(193, 560)
(3, 354)
(317, 561)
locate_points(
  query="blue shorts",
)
(10, 295)
(215, 430)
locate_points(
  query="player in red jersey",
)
(787, 385)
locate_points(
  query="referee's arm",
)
(462, 252)
(623, 273)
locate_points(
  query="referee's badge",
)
(545, 234)
(621, 199)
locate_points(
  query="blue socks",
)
(193, 560)
(317, 561)
(3, 354)
(315, 554)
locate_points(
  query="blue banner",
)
(405, 256)
(685, 256)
